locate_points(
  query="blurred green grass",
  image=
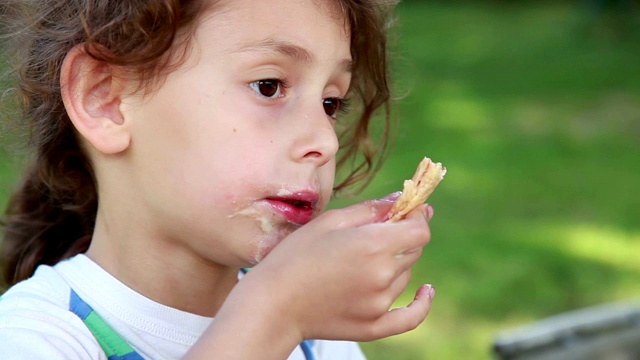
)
(534, 107)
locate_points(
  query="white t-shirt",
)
(35, 321)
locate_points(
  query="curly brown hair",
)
(52, 215)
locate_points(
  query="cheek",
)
(327, 179)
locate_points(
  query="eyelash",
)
(343, 106)
(346, 105)
(281, 83)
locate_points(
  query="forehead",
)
(283, 9)
(315, 26)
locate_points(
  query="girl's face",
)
(236, 149)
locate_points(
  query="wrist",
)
(253, 323)
(268, 301)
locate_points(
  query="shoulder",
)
(44, 287)
(35, 322)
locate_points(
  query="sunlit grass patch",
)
(601, 244)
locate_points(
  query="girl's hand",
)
(338, 276)
(335, 278)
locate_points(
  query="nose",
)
(315, 140)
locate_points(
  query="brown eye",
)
(270, 88)
(332, 106)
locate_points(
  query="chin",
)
(264, 243)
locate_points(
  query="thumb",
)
(401, 320)
(366, 212)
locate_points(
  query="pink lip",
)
(297, 208)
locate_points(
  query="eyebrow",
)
(289, 50)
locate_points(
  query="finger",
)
(401, 320)
(428, 211)
(418, 230)
(402, 237)
(407, 258)
(400, 284)
(421, 211)
(366, 212)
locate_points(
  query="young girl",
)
(181, 141)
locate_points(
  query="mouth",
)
(297, 208)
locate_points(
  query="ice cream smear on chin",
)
(278, 214)
(264, 221)
(266, 225)
(273, 228)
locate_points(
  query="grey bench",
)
(606, 332)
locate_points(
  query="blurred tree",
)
(620, 18)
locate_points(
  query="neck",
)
(159, 269)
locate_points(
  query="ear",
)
(92, 97)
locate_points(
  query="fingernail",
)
(429, 212)
(428, 290)
(393, 196)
